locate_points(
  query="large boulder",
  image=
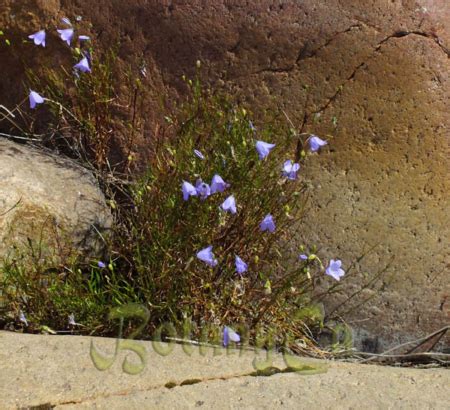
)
(49, 203)
(369, 76)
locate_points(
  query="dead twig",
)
(414, 354)
(10, 209)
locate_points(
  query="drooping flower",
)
(315, 143)
(334, 269)
(101, 264)
(35, 99)
(84, 38)
(83, 65)
(263, 148)
(206, 255)
(203, 189)
(229, 204)
(66, 35)
(38, 38)
(267, 224)
(290, 169)
(65, 20)
(188, 190)
(218, 184)
(198, 154)
(72, 320)
(241, 266)
(229, 335)
(22, 318)
(303, 257)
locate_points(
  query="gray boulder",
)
(50, 203)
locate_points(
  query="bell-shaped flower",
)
(206, 255)
(66, 35)
(38, 38)
(334, 269)
(229, 204)
(71, 320)
(267, 224)
(241, 266)
(198, 154)
(263, 148)
(303, 257)
(290, 169)
(229, 335)
(315, 143)
(203, 189)
(35, 99)
(218, 184)
(83, 65)
(65, 20)
(188, 190)
(22, 318)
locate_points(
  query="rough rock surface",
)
(372, 77)
(58, 372)
(52, 201)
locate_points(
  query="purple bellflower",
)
(198, 154)
(218, 184)
(66, 35)
(83, 65)
(203, 189)
(241, 266)
(263, 148)
(334, 269)
(22, 318)
(303, 257)
(267, 224)
(65, 20)
(230, 335)
(315, 143)
(206, 255)
(35, 99)
(229, 204)
(101, 264)
(38, 38)
(290, 169)
(188, 190)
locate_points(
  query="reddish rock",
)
(371, 77)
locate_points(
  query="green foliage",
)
(157, 235)
(164, 233)
(85, 111)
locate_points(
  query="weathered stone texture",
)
(54, 202)
(370, 76)
(58, 372)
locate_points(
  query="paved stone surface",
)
(58, 371)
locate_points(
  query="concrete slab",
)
(58, 371)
